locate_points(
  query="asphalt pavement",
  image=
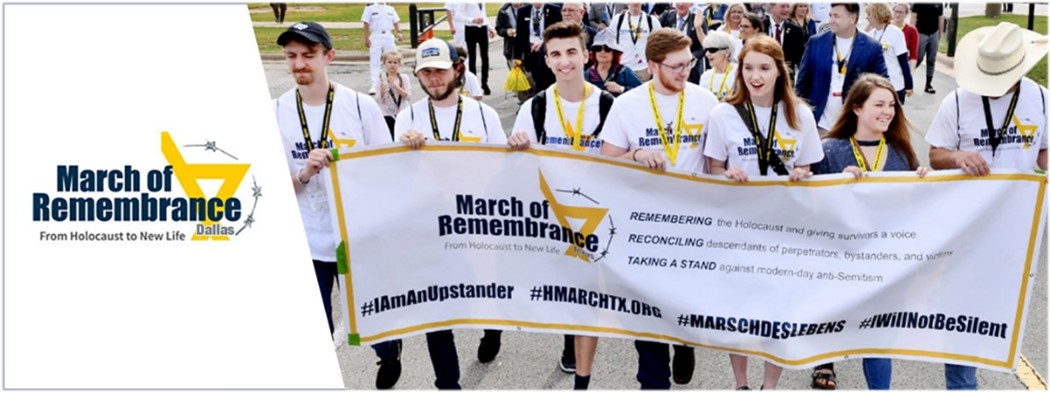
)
(530, 360)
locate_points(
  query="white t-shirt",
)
(1025, 137)
(720, 83)
(631, 124)
(729, 138)
(557, 135)
(380, 17)
(346, 130)
(472, 126)
(893, 41)
(471, 86)
(634, 52)
(835, 89)
(465, 13)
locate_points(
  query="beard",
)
(442, 94)
(303, 77)
(670, 83)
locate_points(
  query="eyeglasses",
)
(681, 67)
(601, 48)
(714, 50)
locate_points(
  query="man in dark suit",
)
(529, 40)
(682, 19)
(779, 25)
(833, 60)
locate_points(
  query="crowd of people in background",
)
(737, 90)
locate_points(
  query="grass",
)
(333, 12)
(1039, 72)
(343, 40)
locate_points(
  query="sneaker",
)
(488, 349)
(929, 90)
(568, 365)
(682, 365)
(486, 90)
(389, 372)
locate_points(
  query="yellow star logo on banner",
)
(694, 131)
(189, 174)
(592, 215)
(1027, 131)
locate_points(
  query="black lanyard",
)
(456, 125)
(764, 146)
(995, 135)
(323, 141)
(395, 97)
(635, 32)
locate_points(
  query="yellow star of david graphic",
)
(189, 174)
(592, 215)
(345, 142)
(786, 144)
(1027, 131)
(694, 131)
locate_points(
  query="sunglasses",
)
(714, 50)
(601, 48)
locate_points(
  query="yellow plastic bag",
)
(516, 79)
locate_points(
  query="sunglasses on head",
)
(601, 48)
(714, 50)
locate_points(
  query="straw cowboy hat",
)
(990, 60)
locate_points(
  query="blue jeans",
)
(878, 371)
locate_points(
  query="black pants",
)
(477, 37)
(279, 11)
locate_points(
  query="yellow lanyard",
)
(841, 60)
(573, 133)
(860, 158)
(671, 149)
(723, 91)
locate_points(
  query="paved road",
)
(529, 360)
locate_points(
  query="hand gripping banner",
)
(472, 236)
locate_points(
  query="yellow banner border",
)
(345, 155)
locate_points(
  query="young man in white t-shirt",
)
(633, 28)
(571, 112)
(353, 120)
(960, 133)
(445, 115)
(661, 125)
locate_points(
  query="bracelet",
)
(635, 154)
(300, 180)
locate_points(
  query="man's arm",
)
(368, 42)
(971, 162)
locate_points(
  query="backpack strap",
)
(620, 22)
(605, 102)
(775, 161)
(539, 111)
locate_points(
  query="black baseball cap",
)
(311, 32)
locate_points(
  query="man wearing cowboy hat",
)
(994, 99)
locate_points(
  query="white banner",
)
(465, 235)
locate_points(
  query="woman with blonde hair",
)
(895, 49)
(732, 23)
(761, 129)
(800, 14)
